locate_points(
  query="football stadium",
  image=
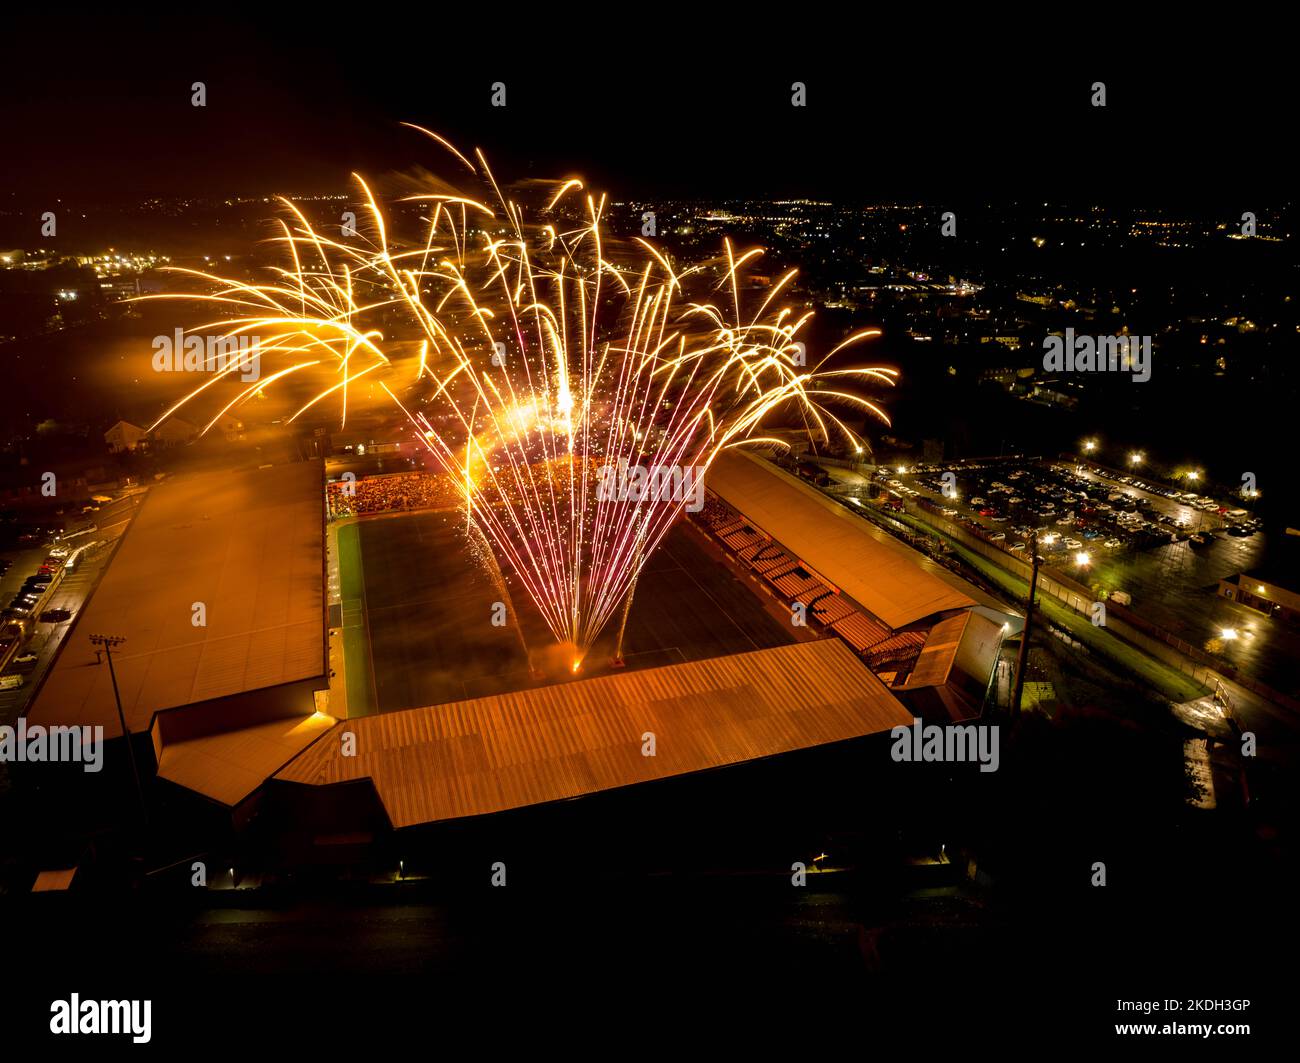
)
(331, 664)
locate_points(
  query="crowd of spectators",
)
(398, 493)
(547, 482)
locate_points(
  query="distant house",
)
(124, 436)
(231, 427)
(172, 431)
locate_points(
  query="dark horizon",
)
(291, 111)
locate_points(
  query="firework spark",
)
(549, 354)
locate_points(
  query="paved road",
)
(72, 593)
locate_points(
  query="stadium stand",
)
(860, 631)
(790, 580)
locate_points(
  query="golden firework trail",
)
(555, 364)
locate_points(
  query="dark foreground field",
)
(427, 606)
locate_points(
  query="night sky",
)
(97, 108)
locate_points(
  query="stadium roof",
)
(229, 766)
(939, 653)
(52, 881)
(247, 544)
(881, 576)
(467, 758)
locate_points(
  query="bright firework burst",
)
(554, 355)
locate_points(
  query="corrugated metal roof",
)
(832, 541)
(249, 545)
(556, 742)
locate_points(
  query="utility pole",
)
(108, 642)
(1022, 658)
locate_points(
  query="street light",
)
(1089, 445)
(1082, 558)
(1228, 634)
(1135, 458)
(107, 642)
(1022, 655)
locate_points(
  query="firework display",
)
(575, 386)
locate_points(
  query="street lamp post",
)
(1022, 657)
(107, 642)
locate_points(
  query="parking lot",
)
(1138, 543)
(44, 584)
(1081, 518)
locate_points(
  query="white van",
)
(10, 682)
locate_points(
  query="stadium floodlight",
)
(106, 643)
